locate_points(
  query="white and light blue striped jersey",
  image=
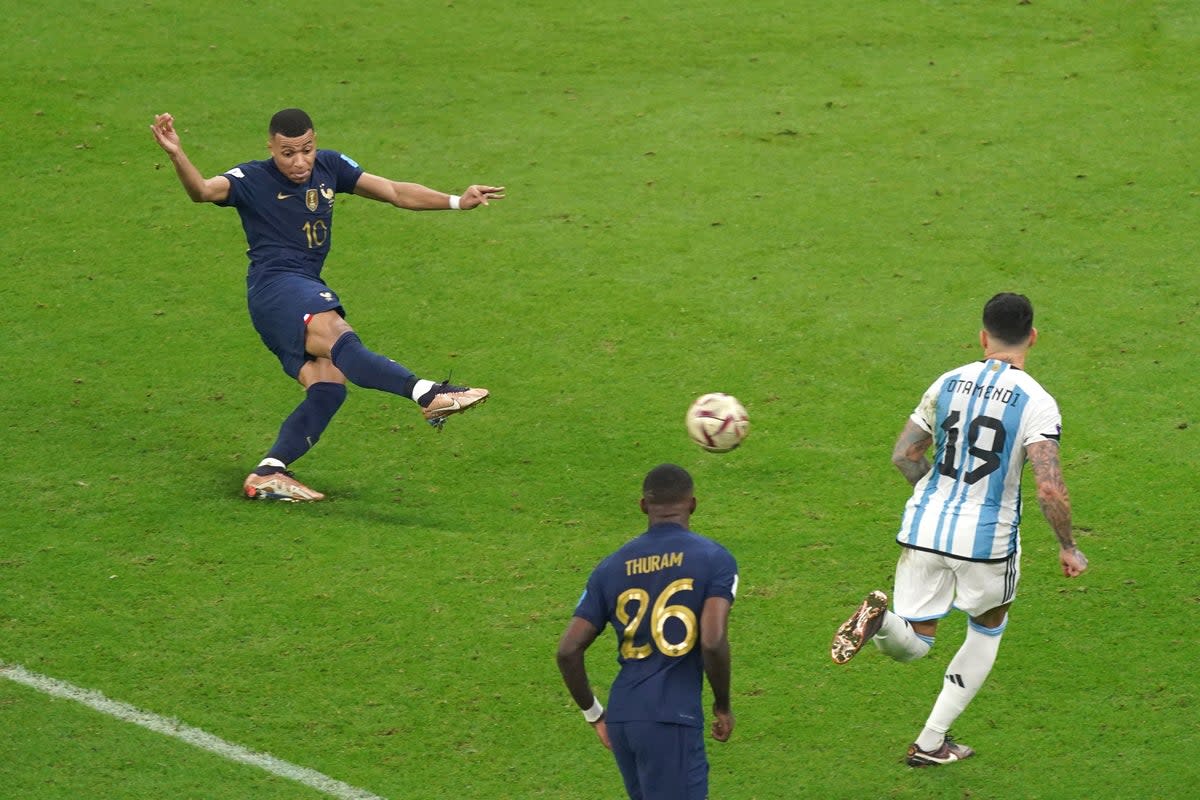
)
(982, 417)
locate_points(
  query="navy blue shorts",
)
(280, 307)
(660, 760)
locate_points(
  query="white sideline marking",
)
(193, 736)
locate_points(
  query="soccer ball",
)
(717, 422)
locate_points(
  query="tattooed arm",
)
(1056, 503)
(909, 453)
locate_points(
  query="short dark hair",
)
(1009, 317)
(290, 122)
(667, 483)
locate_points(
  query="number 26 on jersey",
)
(660, 612)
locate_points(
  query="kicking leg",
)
(903, 640)
(330, 336)
(895, 636)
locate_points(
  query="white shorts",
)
(929, 584)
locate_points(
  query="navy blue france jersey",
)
(289, 226)
(652, 592)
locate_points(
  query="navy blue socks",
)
(370, 370)
(301, 430)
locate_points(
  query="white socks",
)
(899, 641)
(965, 674)
(421, 388)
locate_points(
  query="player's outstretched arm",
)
(909, 452)
(575, 641)
(200, 189)
(415, 197)
(1056, 503)
(714, 646)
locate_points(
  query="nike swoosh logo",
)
(282, 196)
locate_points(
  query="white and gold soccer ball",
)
(717, 422)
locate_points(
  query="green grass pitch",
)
(803, 204)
